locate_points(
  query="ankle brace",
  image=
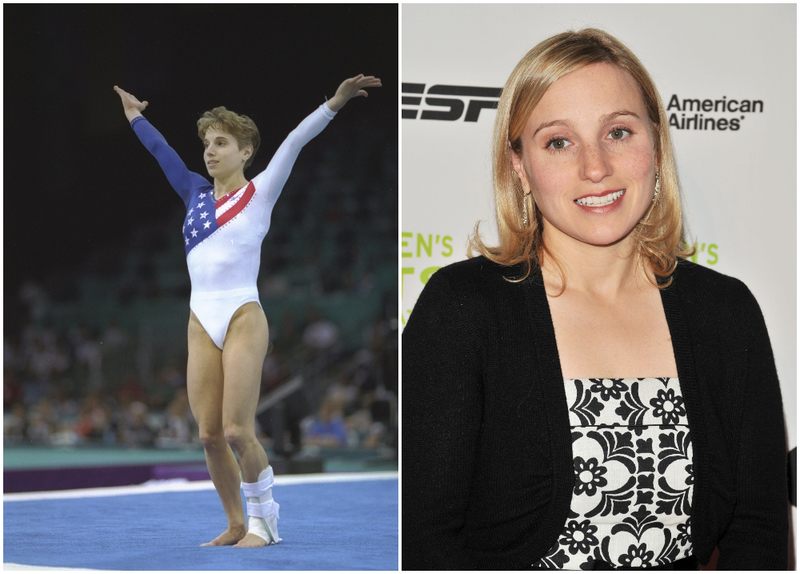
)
(262, 510)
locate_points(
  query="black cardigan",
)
(487, 454)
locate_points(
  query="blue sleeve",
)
(180, 178)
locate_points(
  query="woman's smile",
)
(594, 202)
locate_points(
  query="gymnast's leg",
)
(205, 387)
(242, 360)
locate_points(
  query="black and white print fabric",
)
(632, 453)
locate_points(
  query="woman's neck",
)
(223, 186)
(601, 272)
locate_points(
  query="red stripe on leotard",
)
(234, 211)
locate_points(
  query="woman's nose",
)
(596, 164)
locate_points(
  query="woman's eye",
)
(557, 143)
(618, 133)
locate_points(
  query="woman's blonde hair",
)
(659, 236)
(240, 127)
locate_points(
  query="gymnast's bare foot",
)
(229, 537)
(251, 541)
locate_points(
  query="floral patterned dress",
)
(632, 454)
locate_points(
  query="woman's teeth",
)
(595, 201)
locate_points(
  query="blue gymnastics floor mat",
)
(343, 525)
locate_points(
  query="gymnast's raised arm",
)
(178, 175)
(272, 179)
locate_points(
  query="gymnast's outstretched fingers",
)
(130, 104)
(352, 88)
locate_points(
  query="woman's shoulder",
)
(689, 275)
(201, 191)
(708, 291)
(477, 271)
(473, 287)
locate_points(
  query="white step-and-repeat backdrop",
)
(727, 76)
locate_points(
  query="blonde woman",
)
(579, 396)
(226, 221)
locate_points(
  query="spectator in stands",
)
(328, 429)
(15, 423)
(321, 334)
(95, 420)
(179, 426)
(134, 428)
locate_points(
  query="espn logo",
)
(454, 98)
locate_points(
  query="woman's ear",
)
(519, 170)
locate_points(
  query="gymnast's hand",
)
(132, 106)
(351, 88)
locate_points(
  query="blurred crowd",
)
(84, 385)
(65, 387)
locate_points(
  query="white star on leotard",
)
(206, 225)
(194, 233)
(203, 215)
(191, 219)
(201, 204)
(187, 240)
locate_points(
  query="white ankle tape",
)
(261, 528)
(262, 510)
(256, 489)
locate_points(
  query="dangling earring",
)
(658, 185)
(524, 201)
(524, 210)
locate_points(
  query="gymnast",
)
(228, 333)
